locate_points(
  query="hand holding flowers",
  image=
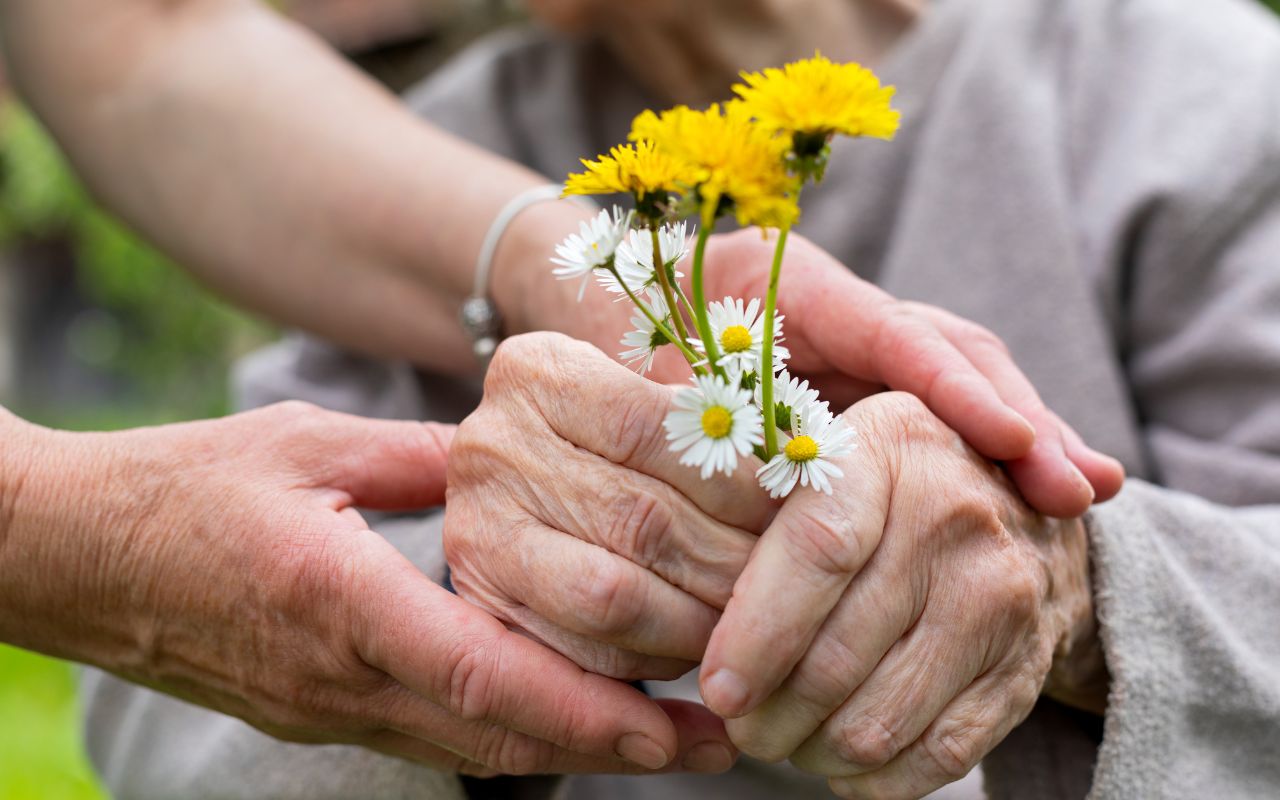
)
(751, 157)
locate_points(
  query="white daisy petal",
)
(634, 258)
(645, 340)
(805, 458)
(739, 333)
(592, 247)
(791, 393)
(713, 423)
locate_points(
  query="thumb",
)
(388, 465)
(456, 656)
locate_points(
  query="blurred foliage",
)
(166, 337)
(41, 757)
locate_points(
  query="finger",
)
(624, 423)
(411, 748)
(865, 333)
(382, 464)
(460, 658)
(422, 732)
(594, 655)
(839, 389)
(879, 606)
(354, 517)
(650, 524)
(591, 591)
(796, 574)
(1053, 476)
(915, 680)
(967, 730)
(1105, 473)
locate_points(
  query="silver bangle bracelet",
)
(479, 316)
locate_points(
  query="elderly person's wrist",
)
(1078, 676)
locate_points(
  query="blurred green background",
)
(98, 331)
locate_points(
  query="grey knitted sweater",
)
(1098, 181)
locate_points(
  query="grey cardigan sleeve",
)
(1187, 567)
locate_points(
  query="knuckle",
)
(511, 357)
(828, 541)
(1024, 687)
(951, 755)
(478, 452)
(293, 409)
(471, 679)
(868, 746)
(639, 432)
(516, 754)
(823, 679)
(756, 735)
(982, 338)
(640, 527)
(609, 599)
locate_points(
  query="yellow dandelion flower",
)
(639, 169)
(734, 159)
(816, 97)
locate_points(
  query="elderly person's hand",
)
(850, 338)
(570, 517)
(224, 562)
(891, 634)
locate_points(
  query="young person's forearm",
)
(250, 152)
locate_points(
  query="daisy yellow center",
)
(716, 422)
(735, 339)
(801, 448)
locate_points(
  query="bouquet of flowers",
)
(750, 158)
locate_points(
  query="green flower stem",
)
(684, 299)
(660, 267)
(766, 354)
(688, 354)
(699, 295)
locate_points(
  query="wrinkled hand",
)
(891, 634)
(850, 339)
(569, 517)
(224, 562)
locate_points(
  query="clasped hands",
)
(886, 636)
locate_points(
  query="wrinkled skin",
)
(851, 338)
(891, 634)
(924, 595)
(315, 629)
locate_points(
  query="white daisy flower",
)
(592, 247)
(739, 331)
(713, 424)
(806, 456)
(790, 396)
(645, 340)
(634, 258)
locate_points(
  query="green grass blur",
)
(41, 756)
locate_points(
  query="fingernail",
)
(640, 749)
(1083, 481)
(1026, 424)
(708, 757)
(725, 693)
